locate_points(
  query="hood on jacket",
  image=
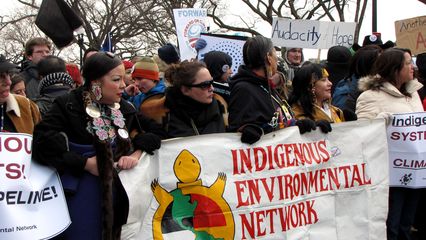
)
(245, 74)
(371, 82)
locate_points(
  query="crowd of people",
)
(91, 123)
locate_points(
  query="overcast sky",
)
(388, 12)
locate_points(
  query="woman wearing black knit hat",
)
(219, 65)
(86, 137)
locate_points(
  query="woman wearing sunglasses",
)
(190, 99)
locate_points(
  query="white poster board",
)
(231, 45)
(190, 23)
(407, 150)
(311, 34)
(286, 186)
(32, 201)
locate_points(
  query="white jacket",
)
(382, 100)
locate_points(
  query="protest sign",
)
(286, 186)
(231, 45)
(311, 34)
(32, 202)
(407, 153)
(411, 33)
(190, 23)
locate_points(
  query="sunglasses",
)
(203, 85)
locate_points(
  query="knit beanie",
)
(99, 64)
(74, 72)
(58, 78)
(339, 55)
(146, 68)
(217, 63)
(169, 53)
(127, 64)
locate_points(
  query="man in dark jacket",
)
(55, 81)
(35, 50)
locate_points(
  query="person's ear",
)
(185, 90)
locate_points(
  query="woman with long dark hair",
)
(86, 136)
(392, 90)
(311, 95)
(255, 107)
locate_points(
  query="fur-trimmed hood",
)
(371, 82)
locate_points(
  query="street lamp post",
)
(374, 16)
(80, 44)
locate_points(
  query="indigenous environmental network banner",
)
(407, 152)
(312, 34)
(32, 202)
(411, 34)
(190, 23)
(286, 186)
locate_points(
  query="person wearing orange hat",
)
(147, 82)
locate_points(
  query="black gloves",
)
(251, 134)
(305, 125)
(147, 142)
(349, 115)
(324, 125)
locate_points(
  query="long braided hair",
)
(94, 68)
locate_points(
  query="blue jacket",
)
(137, 100)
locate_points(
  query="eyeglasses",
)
(203, 85)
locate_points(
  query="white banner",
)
(231, 45)
(407, 152)
(32, 202)
(286, 186)
(190, 23)
(312, 34)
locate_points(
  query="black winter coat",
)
(253, 102)
(207, 118)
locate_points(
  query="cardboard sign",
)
(311, 34)
(411, 34)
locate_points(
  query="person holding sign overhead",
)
(391, 89)
(88, 135)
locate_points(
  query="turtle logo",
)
(192, 211)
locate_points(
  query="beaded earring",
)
(96, 91)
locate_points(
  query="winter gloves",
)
(251, 134)
(324, 125)
(307, 125)
(147, 142)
